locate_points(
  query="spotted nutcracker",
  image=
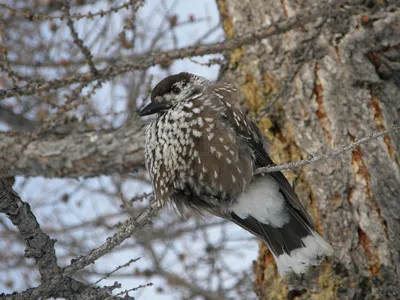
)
(202, 153)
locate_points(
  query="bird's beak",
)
(154, 107)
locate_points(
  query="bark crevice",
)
(342, 88)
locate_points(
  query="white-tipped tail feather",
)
(313, 252)
(266, 211)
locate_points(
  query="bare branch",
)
(141, 62)
(101, 13)
(334, 154)
(41, 247)
(73, 155)
(132, 289)
(117, 269)
(77, 41)
(72, 103)
(124, 232)
(5, 64)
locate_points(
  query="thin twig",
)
(77, 41)
(133, 289)
(72, 102)
(144, 61)
(4, 62)
(124, 232)
(336, 153)
(101, 13)
(117, 269)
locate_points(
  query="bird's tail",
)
(295, 245)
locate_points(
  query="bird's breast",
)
(169, 150)
(189, 149)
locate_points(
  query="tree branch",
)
(77, 41)
(334, 154)
(41, 247)
(144, 61)
(124, 232)
(73, 155)
(32, 16)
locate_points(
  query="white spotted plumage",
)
(202, 152)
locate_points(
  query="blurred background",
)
(184, 258)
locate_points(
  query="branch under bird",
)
(202, 154)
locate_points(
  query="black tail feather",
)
(279, 240)
(294, 245)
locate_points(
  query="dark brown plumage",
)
(201, 153)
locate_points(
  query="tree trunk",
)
(339, 81)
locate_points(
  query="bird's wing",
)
(248, 130)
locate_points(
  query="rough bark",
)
(339, 81)
(73, 155)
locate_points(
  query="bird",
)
(202, 153)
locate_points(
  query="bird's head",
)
(171, 90)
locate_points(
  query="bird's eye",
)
(176, 90)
